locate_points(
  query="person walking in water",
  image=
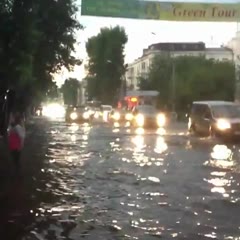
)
(16, 136)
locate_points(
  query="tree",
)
(70, 91)
(37, 37)
(144, 83)
(196, 78)
(106, 63)
(159, 78)
(57, 24)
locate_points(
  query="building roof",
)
(215, 103)
(219, 49)
(142, 93)
(178, 46)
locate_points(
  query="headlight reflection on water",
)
(221, 152)
(222, 159)
(74, 127)
(161, 131)
(138, 142)
(161, 145)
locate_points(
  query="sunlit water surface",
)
(115, 183)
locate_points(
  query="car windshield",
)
(80, 108)
(147, 110)
(106, 108)
(226, 111)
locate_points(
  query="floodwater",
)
(100, 182)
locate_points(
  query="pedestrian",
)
(16, 136)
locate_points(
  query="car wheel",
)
(192, 130)
(212, 133)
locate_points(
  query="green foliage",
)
(37, 37)
(196, 78)
(106, 63)
(144, 84)
(70, 91)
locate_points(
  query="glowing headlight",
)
(86, 115)
(161, 120)
(96, 115)
(53, 110)
(90, 112)
(73, 116)
(140, 120)
(129, 116)
(223, 124)
(116, 116)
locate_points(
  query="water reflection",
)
(139, 143)
(221, 152)
(161, 131)
(73, 138)
(116, 125)
(161, 145)
(221, 156)
(118, 185)
(219, 184)
(140, 131)
(74, 127)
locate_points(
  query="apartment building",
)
(140, 67)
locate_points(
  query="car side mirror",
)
(206, 118)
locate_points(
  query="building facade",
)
(140, 67)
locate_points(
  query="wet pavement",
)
(100, 182)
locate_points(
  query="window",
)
(199, 109)
(143, 66)
(207, 114)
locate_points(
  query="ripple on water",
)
(130, 186)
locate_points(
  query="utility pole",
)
(173, 82)
(173, 86)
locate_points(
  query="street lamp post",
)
(173, 86)
(173, 81)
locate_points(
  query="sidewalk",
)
(18, 195)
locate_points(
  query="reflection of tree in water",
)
(152, 10)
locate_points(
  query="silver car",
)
(148, 116)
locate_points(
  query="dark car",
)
(148, 116)
(77, 114)
(215, 118)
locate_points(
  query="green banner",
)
(170, 11)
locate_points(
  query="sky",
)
(142, 33)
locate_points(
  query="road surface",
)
(100, 182)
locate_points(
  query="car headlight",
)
(140, 120)
(223, 124)
(96, 114)
(116, 116)
(73, 116)
(86, 115)
(161, 120)
(129, 116)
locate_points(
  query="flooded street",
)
(101, 182)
